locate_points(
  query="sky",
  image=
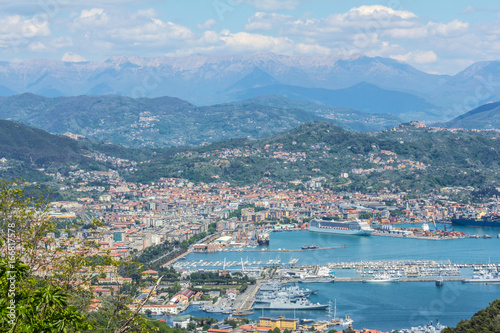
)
(439, 37)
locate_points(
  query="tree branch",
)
(125, 326)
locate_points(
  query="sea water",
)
(379, 306)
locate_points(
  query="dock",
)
(244, 301)
(403, 279)
(286, 250)
(386, 234)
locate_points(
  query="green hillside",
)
(348, 119)
(407, 156)
(167, 121)
(28, 152)
(487, 321)
(486, 116)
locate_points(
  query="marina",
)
(416, 265)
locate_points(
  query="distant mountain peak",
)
(256, 79)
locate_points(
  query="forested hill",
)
(407, 156)
(27, 151)
(486, 320)
(167, 121)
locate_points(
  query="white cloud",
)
(209, 24)
(381, 12)
(72, 57)
(17, 33)
(452, 28)
(155, 31)
(246, 42)
(98, 29)
(92, 12)
(455, 27)
(60, 42)
(37, 47)
(473, 10)
(419, 57)
(310, 49)
(91, 18)
(17, 27)
(270, 5)
(261, 21)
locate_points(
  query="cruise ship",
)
(353, 227)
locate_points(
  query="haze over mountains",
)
(206, 80)
(166, 121)
(484, 117)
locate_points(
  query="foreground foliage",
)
(487, 320)
(44, 288)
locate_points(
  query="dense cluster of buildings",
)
(136, 216)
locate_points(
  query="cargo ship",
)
(490, 221)
(263, 239)
(353, 227)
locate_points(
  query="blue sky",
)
(434, 36)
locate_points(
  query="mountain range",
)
(363, 96)
(168, 121)
(215, 79)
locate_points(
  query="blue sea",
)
(380, 306)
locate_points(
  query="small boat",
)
(439, 281)
(306, 320)
(382, 278)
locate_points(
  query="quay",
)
(244, 301)
(287, 250)
(403, 279)
(179, 257)
(386, 234)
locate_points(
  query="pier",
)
(287, 250)
(387, 234)
(403, 279)
(244, 302)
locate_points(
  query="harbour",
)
(416, 262)
(387, 306)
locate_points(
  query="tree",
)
(191, 326)
(45, 289)
(486, 320)
(176, 287)
(276, 330)
(44, 310)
